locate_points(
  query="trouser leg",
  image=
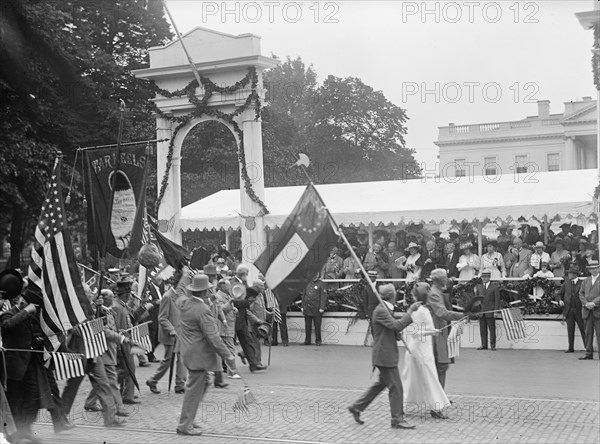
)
(363, 402)
(318, 329)
(197, 384)
(308, 321)
(483, 331)
(391, 378)
(442, 368)
(164, 365)
(570, 320)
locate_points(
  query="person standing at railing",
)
(559, 258)
(469, 263)
(493, 261)
(517, 261)
(350, 265)
(413, 264)
(377, 260)
(538, 257)
(394, 271)
(451, 259)
(333, 269)
(490, 293)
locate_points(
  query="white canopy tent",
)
(551, 195)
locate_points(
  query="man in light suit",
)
(568, 298)
(589, 294)
(199, 344)
(385, 357)
(518, 261)
(490, 293)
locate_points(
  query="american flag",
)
(68, 365)
(513, 323)
(244, 399)
(273, 304)
(53, 268)
(94, 339)
(141, 335)
(454, 339)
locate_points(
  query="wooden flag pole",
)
(348, 245)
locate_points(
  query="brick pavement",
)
(304, 414)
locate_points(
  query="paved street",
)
(502, 396)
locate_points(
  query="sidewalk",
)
(503, 396)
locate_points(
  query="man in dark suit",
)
(568, 298)
(451, 259)
(431, 259)
(491, 301)
(199, 343)
(385, 357)
(314, 302)
(441, 317)
(589, 294)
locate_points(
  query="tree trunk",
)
(17, 231)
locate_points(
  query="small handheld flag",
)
(514, 323)
(244, 399)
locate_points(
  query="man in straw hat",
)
(199, 343)
(385, 357)
(490, 293)
(568, 298)
(589, 294)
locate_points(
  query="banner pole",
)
(349, 246)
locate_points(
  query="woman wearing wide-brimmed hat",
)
(413, 264)
(493, 261)
(469, 263)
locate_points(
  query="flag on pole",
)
(68, 365)
(273, 305)
(454, 339)
(141, 335)
(53, 271)
(94, 339)
(514, 323)
(299, 248)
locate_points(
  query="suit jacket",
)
(451, 263)
(436, 259)
(16, 333)
(314, 299)
(441, 316)
(199, 340)
(519, 265)
(491, 298)
(589, 293)
(168, 318)
(569, 294)
(113, 338)
(385, 328)
(394, 271)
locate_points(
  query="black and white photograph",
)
(299, 222)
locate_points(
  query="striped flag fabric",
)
(454, 339)
(68, 365)
(273, 305)
(53, 269)
(244, 399)
(514, 324)
(299, 248)
(94, 339)
(141, 335)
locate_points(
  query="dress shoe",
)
(196, 425)
(122, 413)
(94, 408)
(481, 348)
(221, 385)
(63, 426)
(152, 386)
(275, 344)
(285, 344)
(116, 424)
(570, 351)
(131, 401)
(152, 358)
(493, 349)
(586, 357)
(234, 376)
(437, 415)
(402, 425)
(180, 391)
(319, 344)
(257, 368)
(144, 364)
(356, 415)
(306, 343)
(27, 438)
(193, 432)
(243, 358)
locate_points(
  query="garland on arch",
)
(596, 57)
(202, 108)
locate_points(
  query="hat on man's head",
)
(238, 291)
(200, 282)
(251, 292)
(539, 244)
(124, 283)
(210, 270)
(486, 272)
(453, 235)
(473, 305)
(466, 245)
(593, 264)
(11, 284)
(565, 225)
(264, 330)
(574, 269)
(221, 260)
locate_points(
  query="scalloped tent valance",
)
(557, 195)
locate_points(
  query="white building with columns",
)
(544, 142)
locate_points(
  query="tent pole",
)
(479, 238)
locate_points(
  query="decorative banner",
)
(128, 202)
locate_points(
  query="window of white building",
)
(521, 164)
(553, 162)
(490, 166)
(459, 168)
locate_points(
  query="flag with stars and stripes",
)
(68, 365)
(244, 398)
(94, 339)
(514, 324)
(140, 335)
(53, 270)
(273, 305)
(299, 248)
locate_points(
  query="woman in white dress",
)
(493, 261)
(468, 264)
(413, 264)
(419, 375)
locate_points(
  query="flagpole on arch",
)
(303, 162)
